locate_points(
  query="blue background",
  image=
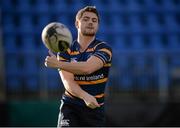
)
(145, 74)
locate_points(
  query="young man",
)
(84, 72)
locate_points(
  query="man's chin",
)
(88, 34)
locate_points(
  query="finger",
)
(51, 53)
(47, 58)
(101, 104)
(96, 104)
(45, 64)
(91, 106)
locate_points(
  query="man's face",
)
(88, 24)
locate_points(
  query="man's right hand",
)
(90, 101)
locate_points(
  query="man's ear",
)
(76, 24)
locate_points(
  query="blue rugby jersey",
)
(93, 83)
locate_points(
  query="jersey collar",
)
(77, 45)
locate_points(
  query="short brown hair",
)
(87, 9)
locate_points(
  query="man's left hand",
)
(51, 61)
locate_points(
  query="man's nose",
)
(90, 24)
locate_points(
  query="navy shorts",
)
(72, 115)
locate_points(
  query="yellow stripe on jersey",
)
(61, 58)
(77, 52)
(69, 51)
(107, 65)
(107, 51)
(90, 50)
(92, 82)
(100, 95)
(74, 53)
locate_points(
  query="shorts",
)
(72, 115)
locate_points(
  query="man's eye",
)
(85, 19)
(95, 20)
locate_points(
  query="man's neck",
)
(84, 41)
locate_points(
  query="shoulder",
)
(102, 44)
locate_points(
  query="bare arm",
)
(72, 87)
(88, 67)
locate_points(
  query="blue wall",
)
(144, 35)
